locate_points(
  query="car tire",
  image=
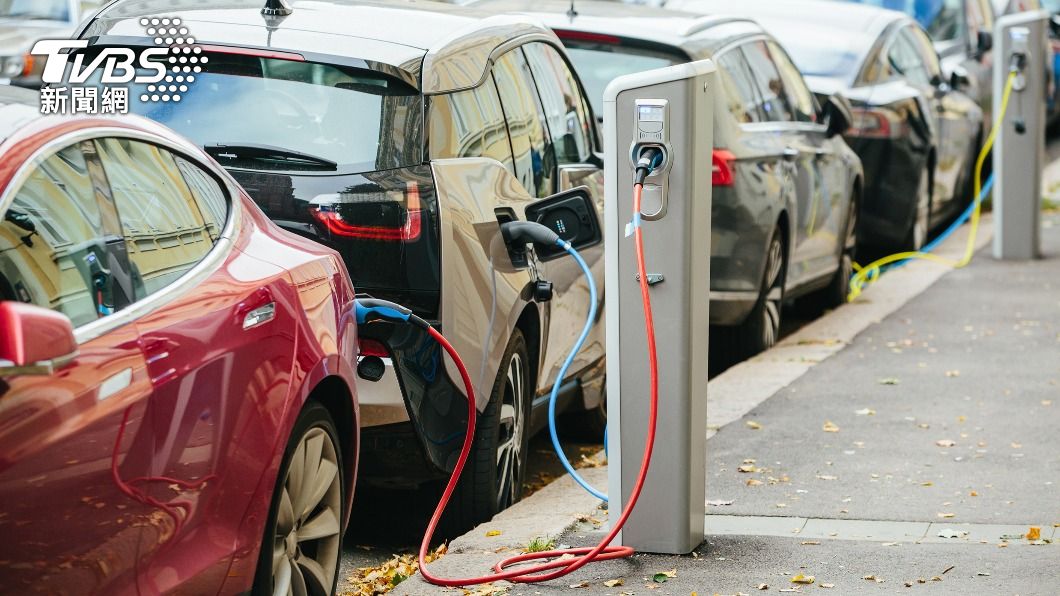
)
(916, 236)
(761, 329)
(493, 477)
(303, 549)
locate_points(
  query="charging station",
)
(670, 109)
(1019, 150)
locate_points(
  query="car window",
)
(211, 200)
(164, 229)
(904, 60)
(534, 160)
(600, 63)
(926, 51)
(943, 19)
(773, 102)
(799, 97)
(568, 121)
(470, 124)
(738, 86)
(55, 249)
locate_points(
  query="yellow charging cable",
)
(871, 272)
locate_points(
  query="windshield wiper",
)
(268, 153)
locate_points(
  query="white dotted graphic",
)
(185, 57)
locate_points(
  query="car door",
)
(219, 350)
(905, 60)
(72, 456)
(799, 153)
(958, 119)
(570, 128)
(828, 217)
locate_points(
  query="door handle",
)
(791, 154)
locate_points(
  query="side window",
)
(212, 201)
(799, 97)
(774, 102)
(946, 22)
(55, 250)
(568, 120)
(534, 161)
(904, 60)
(739, 90)
(165, 231)
(927, 52)
(470, 124)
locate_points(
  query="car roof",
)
(846, 27)
(695, 33)
(411, 35)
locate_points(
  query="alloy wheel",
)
(306, 539)
(774, 295)
(512, 427)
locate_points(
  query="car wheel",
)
(302, 545)
(918, 229)
(761, 329)
(493, 477)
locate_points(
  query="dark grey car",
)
(784, 180)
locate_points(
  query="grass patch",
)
(540, 544)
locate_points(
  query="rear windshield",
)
(356, 120)
(600, 63)
(943, 19)
(820, 50)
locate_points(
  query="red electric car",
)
(177, 405)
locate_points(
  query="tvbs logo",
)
(99, 82)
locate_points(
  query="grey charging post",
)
(671, 109)
(1019, 149)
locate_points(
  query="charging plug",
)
(650, 157)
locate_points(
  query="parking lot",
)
(293, 292)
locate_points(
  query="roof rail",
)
(713, 20)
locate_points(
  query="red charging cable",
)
(581, 556)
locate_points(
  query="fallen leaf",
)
(717, 503)
(747, 468)
(802, 579)
(663, 576)
(611, 583)
(889, 544)
(865, 412)
(1034, 533)
(946, 515)
(830, 427)
(888, 381)
(973, 494)
(878, 580)
(754, 482)
(826, 585)
(945, 442)
(751, 424)
(827, 477)
(953, 373)
(810, 542)
(763, 587)
(579, 585)
(492, 533)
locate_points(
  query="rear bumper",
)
(731, 307)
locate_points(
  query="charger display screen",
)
(651, 113)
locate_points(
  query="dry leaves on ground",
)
(802, 579)
(830, 427)
(370, 581)
(611, 583)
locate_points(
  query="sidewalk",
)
(940, 420)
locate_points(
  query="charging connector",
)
(649, 158)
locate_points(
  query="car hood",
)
(17, 36)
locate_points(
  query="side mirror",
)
(571, 214)
(984, 41)
(959, 79)
(35, 340)
(837, 114)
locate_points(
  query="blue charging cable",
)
(554, 396)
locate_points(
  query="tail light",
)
(586, 36)
(357, 215)
(721, 167)
(373, 347)
(877, 123)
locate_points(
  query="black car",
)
(916, 132)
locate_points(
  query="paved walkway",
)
(924, 449)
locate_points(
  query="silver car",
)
(22, 23)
